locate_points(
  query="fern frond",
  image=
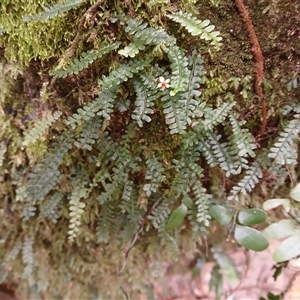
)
(86, 58)
(146, 94)
(27, 257)
(285, 149)
(83, 114)
(213, 117)
(197, 27)
(105, 225)
(127, 191)
(55, 10)
(76, 209)
(46, 173)
(174, 111)
(49, 209)
(89, 134)
(40, 128)
(28, 211)
(247, 183)
(143, 36)
(203, 201)
(159, 216)
(154, 174)
(180, 72)
(124, 72)
(192, 94)
(12, 254)
(217, 153)
(106, 101)
(241, 138)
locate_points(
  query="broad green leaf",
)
(251, 216)
(288, 249)
(280, 230)
(250, 238)
(177, 217)
(221, 214)
(295, 263)
(273, 203)
(295, 193)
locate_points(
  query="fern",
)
(55, 10)
(27, 257)
(159, 216)
(197, 27)
(213, 117)
(203, 201)
(76, 208)
(85, 113)
(192, 93)
(86, 58)
(46, 173)
(105, 225)
(247, 183)
(124, 72)
(154, 174)
(28, 211)
(180, 72)
(285, 150)
(49, 209)
(217, 153)
(174, 111)
(12, 254)
(143, 36)
(146, 93)
(106, 101)
(241, 138)
(40, 128)
(89, 134)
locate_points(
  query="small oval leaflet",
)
(176, 217)
(250, 238)
(251, 216)
(273, 203)
(288, 249)
(221, 214)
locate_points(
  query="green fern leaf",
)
(76, 208)
(89, 134)
(146, 94)
(124, 72)
(86, 58)
(241, 138)
(160, 216)
(180, 72)
(49, 208)
(285, 150)
(197, 27)
(28, 212)
(154, 174)
(217, 153)
(247, 183)
(203, 202)
(192, 94)
(40, 128)
(213, 117)
(46, 173)
(27, 257)
(55, 10)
